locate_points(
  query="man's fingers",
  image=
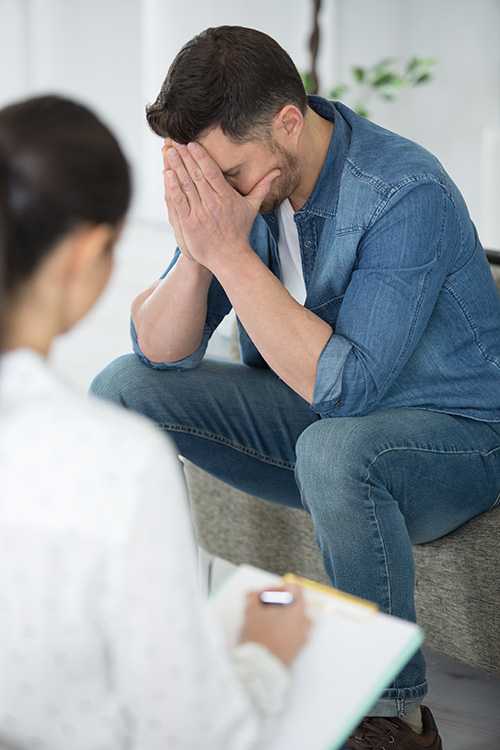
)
(173, 218)
(171, 211)
(210, 169)
(184, 179)
(205, 190)
(261, 189)
(175, 196)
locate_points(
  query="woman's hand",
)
(283, 629)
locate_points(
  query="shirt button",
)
(338, 403)
(308, 243)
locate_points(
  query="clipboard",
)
(354, 652)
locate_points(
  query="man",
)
(368, 319)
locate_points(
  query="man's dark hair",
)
(228, 76)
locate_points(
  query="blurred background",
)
(429, 69)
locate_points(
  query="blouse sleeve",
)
(179, 686)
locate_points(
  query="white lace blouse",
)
(105, 639)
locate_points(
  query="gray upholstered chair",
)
(458, 577)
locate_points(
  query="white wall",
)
(449, 115)
(13, 49)
(90, 50)
(114, 55)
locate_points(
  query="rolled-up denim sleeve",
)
(218, 306)
(401, 266)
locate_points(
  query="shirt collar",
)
(323, 199)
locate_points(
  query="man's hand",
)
(210, 218)
(171, 211)
(214, 221)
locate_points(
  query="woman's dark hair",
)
(228, 76)
(60, 167)
(4, 240)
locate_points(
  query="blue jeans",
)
(373, 485)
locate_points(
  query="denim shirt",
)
(392, 261)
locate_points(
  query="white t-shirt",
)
(292, 275)
(105, 639)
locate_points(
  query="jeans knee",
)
(333, 451)
(324, 441)
(111, 383)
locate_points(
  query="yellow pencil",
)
(322, 589)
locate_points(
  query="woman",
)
(105, 641)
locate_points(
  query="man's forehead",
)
(228, 154)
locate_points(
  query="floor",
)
(466, 702)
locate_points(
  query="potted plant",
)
(385, 79)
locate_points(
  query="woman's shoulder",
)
(73, 440)
(129, 433)
(93, 463)
(106, 435)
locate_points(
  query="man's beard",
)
(284, 185)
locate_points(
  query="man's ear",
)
(289, 122)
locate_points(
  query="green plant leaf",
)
(359, 73)
(424, 78)
(361, 110)
(429, 62)
(418, 66)
(397, 83)
(385, 79)
(338, 91)
(412, 64)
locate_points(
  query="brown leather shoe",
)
(377, 733)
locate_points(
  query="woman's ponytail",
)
(65, 168)
(5, 234)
